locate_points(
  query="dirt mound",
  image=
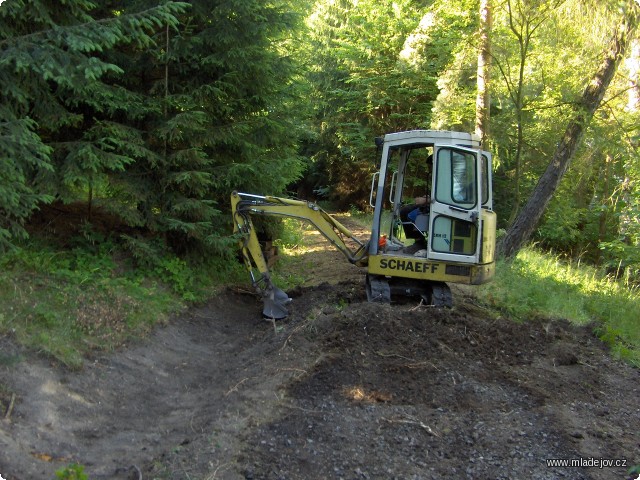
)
(412, 392)
(341, 389)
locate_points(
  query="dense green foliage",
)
(56, 101)
(154, 113)
(542, 60)
(373, 69)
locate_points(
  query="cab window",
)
(456, 183)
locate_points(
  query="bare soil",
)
(341, 389)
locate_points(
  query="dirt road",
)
(341, 389)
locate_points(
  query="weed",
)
(97, 295)
(291, 236)
(65, 303)
(72, 472)
(176, 273)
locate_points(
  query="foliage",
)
(216, 128)
(374, 68)
(51, 88)
(153, 114)
(541, 60)
(21, 155)
(148, 111)
(68, 303)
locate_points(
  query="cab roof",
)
(430, 137)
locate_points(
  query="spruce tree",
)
(59, 130)
(222, 85)
(153, 112)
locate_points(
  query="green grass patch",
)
(68, 303)
(289, 270)
(537, 284)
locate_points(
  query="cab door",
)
(456, 203)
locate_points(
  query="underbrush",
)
(68, 303)
(538, 285)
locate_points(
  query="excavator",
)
(456, 226)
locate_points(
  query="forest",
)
(135, 119)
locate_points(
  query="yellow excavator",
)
(455, 226)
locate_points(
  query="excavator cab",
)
(456, 227)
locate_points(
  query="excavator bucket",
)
(275, 301)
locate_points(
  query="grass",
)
(290, 269)
(537, 284)
(66, 304)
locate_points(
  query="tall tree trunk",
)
(484, 58)
(529, 217)
(633, 64)
(523, 23)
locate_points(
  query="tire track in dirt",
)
(194, 379)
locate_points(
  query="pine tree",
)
(153, 112)
(58, 103)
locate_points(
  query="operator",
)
(409, 213)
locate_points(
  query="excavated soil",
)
(341, 389)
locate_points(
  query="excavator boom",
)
(244, 205)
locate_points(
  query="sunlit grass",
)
(536, 284)
(293, 265)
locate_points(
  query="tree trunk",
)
(484, 57)
(633, 64)
(529, 217)
(605, 200)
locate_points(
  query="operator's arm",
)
(422, 201)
